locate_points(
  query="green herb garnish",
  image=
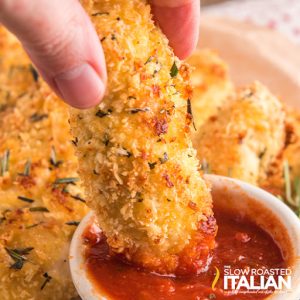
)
(152, 165)
(38, 209)
(77, 197)
(18, 255)
(73, 223)
(53, 160)
(106, 139)
(34, 73)
(190, 112)
(27, 168)
(164, 159)
(150, 58)
(4, 162)
(136, 110)
(100, 113)
(47, 279)
(25, 199)
(66, 180)
(36, 117)
(174, 70)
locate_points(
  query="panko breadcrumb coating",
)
(245, 137)
(292, 152)
(136, 161)
(211, 85)
(37, 217)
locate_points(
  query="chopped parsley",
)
(18, 255)
(38, 209)
(25, 199)
(73, 223)
(174, 70)
(47, 280)
(101, 113)
(66, 180)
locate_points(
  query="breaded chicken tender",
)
(211, 85)
(136, 161)
(245, 137)
(41, 201)
(292, 152)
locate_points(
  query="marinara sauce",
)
(240, 244)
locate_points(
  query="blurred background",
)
(278, 15)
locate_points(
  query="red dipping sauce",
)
(240, 244)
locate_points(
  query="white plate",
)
(255, 53)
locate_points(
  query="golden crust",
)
(135, 156)
(245, 137)
(211, 85)
(31, 124)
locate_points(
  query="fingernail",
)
(80, 87)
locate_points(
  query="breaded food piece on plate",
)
(211, 84)
(41, 200)
(245, 137)
(17, 75)
(136, 160)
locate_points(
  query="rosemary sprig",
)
(78, 197)
(36, 117)
(4, 162)
(34, 73)
(47, 279)
(53, 160)
(73, 223)
(18, 255)
(25, 199)
(27, 168)
(38, 209)
(66, 180)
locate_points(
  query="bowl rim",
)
(289, 220)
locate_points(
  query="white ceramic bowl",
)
(231, 195)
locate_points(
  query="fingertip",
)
(180, 23)
(80, 87)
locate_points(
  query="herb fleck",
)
(34, 73)
(36, 117)
(25, 199)
(73, 223)
(100, 113)
(152, 165)
(66, 180)
(78, 197)
(4, 162)
(53, 160)
(136, 110)
(38, 209)
(164, 159)
(190, 112)
(174, 70)
(18, 255)
(47, 279)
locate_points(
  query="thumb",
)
(179, 20)
(62, 43)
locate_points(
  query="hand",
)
(62, 43)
